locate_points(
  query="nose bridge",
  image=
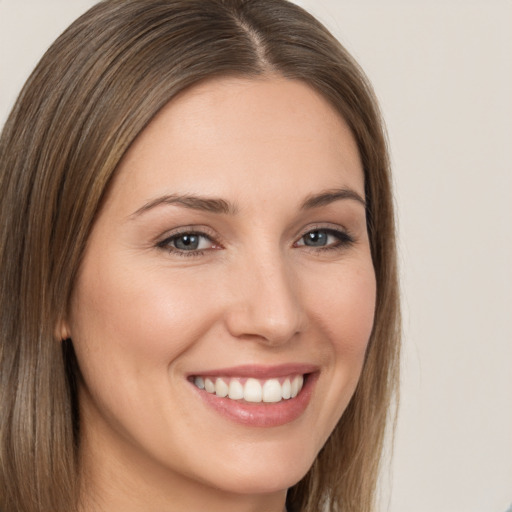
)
(265, 304)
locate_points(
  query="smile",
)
(255, 395)
(251, 389)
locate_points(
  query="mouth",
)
(252, 390)
(258, 396)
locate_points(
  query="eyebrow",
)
(330, 196)
(212, 205)
(221, 206)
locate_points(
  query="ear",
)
(62, 330)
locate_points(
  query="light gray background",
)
(443, 73)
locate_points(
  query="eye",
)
(188, 242)
(324, 239)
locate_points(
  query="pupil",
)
(316, 238)
(187, 242)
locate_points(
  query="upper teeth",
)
(253, 390)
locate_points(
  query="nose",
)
(266, 304)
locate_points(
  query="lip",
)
(259, 371)
(261, 414)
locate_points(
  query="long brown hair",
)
(93, 92)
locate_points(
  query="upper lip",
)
(260, 371)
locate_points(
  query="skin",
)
(143, 316)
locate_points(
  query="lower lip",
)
(262, 414)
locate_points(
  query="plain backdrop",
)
(442, 71)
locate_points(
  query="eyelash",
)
(344, 240)
(166, 244)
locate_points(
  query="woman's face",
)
(231, 254)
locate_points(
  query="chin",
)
(266, 471)
(271, 480)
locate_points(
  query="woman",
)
(199, 296)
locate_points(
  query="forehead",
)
(229, 132)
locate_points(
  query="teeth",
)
(297, 385)
(221, 388)
(287, 389)
(199, 382)
(209, 386)
(272, 391)
(254, 390)
(236, 390)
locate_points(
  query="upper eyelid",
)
(173, 236)
(188, 230)
(343, 233)
(327, 226)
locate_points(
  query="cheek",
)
(345, 307)
(358, 301)
(355, 326)
(128, 332)
(135, 309)
(126, 323)
(347, 320)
